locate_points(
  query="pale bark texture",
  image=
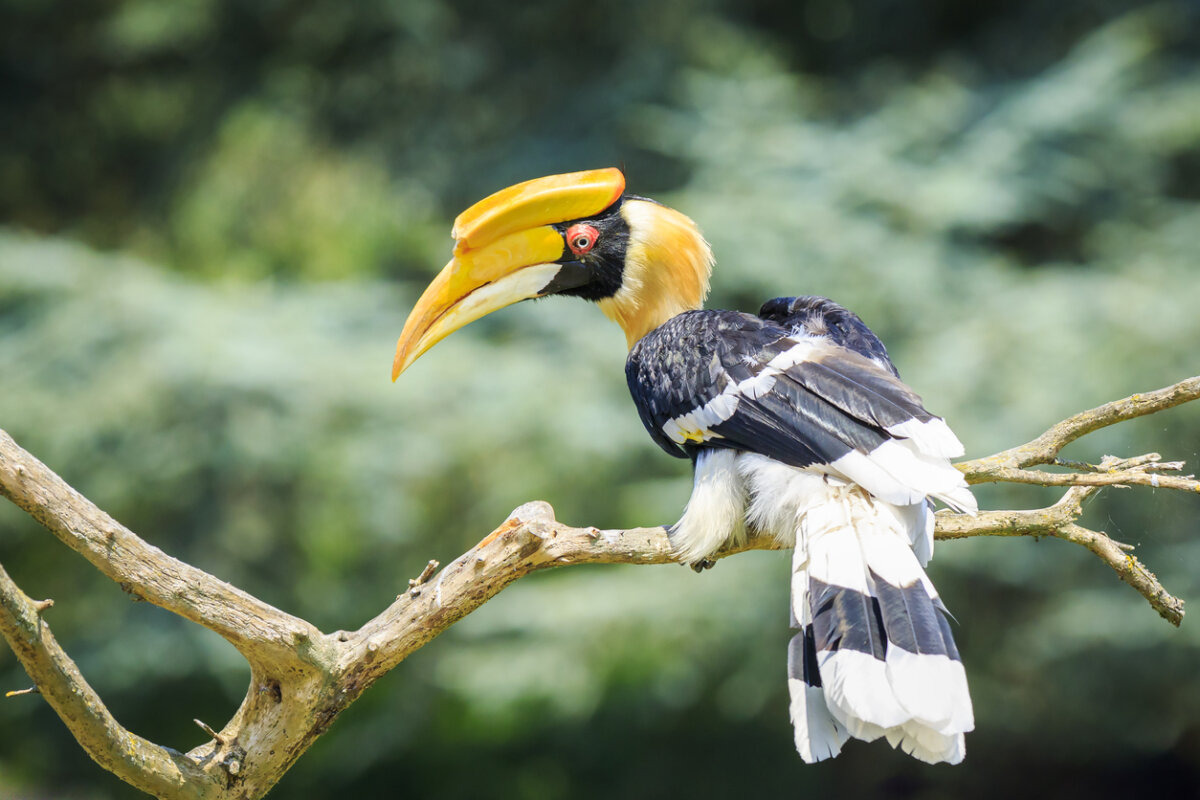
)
(303, 678)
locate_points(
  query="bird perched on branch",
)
(797, 425)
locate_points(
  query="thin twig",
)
(1128, 568)
(204, 726)
(1184, 483)
(414, 584)
(430, 568)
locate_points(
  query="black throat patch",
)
(598, 274)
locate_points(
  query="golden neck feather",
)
(667, 266)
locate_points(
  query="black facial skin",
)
(598, 273)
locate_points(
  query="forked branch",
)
(1010, 465)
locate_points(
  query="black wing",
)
(728, 379)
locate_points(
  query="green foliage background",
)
(217, 214)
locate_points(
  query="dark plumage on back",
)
(821, 316)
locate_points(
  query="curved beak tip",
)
(402, 359)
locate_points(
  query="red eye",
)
(581, 238)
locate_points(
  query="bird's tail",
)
(874, 656)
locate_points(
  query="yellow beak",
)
(505, 251)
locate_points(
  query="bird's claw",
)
(697, 566)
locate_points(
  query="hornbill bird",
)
(795, 421)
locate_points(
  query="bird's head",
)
(575, 234)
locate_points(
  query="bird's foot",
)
(697, 566)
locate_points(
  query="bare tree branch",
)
(1116, 477)
(1045, 448)
(1058, 521)
(141, 763)
(301, 678)
(257, 630)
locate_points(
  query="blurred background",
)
(215, 215)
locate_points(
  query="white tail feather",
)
(818, 735)
(851, 538)
(932, 687)
(858, 691)
(918, 701)
(927, 746)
